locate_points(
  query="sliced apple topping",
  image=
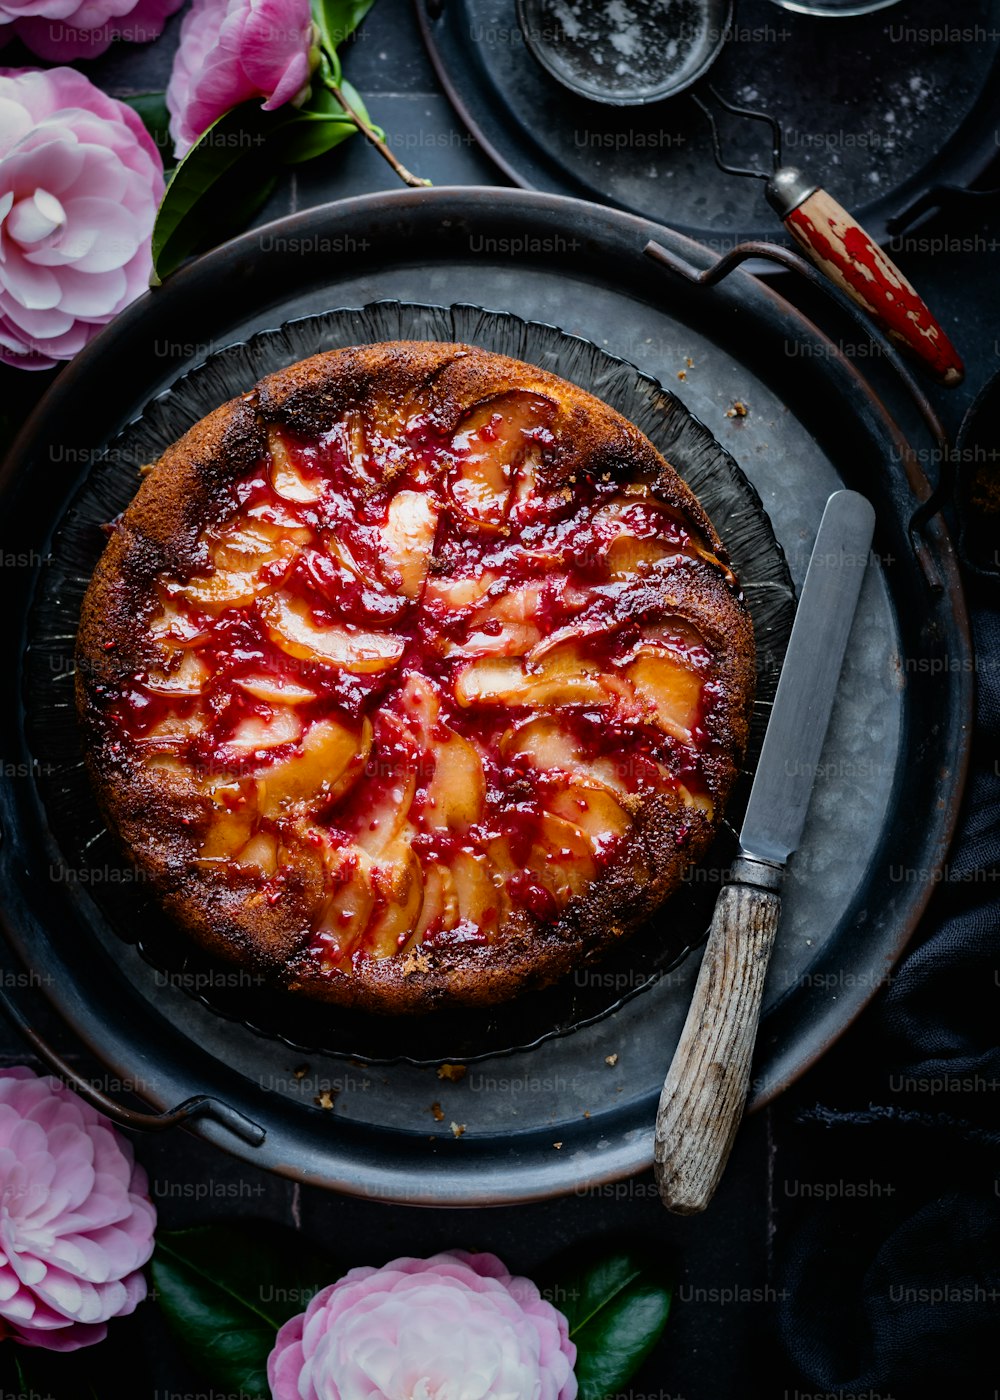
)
(254, 543)
(276, 689)
(186, 676)
(398, 882)
(260, 853)
(175, 729)
(479, 891)
(592, 808)
(565, 676)
(349, 908)
(330, 758)
(226, 834)
(172, 626)
(668, 690)
(627, 555)
(408, 538)
(287, 476)
(291, 625)
(256, 733)
(545, 744)
(561, 858)
(439, 912)
(491, 445)
(445, 594)
(457, 789)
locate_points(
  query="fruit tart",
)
(414, 677)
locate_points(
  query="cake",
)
(414, 677)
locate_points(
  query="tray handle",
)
(198, 1106)
(727, 262)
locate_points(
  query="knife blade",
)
(803, 701)
(704, 1093)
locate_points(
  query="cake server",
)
(705, 1091)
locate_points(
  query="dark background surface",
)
(737, 1267)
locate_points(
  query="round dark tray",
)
(886, 112)
(86, 847)
(886, 796)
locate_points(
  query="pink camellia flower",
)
(80, 182)
(454, 1327)
(65, 29)
(232, 51)
(76, 1226)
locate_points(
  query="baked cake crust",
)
(161, 802)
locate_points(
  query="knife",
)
(705, 1091)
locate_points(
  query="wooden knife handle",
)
(706, 1086)
(839, 246)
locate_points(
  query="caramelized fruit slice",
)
(480, 901)
(408, 538)
(187, 676)
(287, 476)
(563, 677)
(439, 912)
(490, 445)
(226, 833)
(175, 729)
(547, 746)
(398, 883)
(627, 555)
(258, 732)
(171, 626)
(561, 858)
(290, 625)
(594, 810)
(668, 689)
(349, 908)
(276, 690)
(456, 792)
(260, 854)
(331, 758)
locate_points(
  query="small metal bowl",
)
(642, 61)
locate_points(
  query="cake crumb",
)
(324, 1100)
(438, 1112)
(689, 362)
(457, 1129)
(452, 1072)
(611, 1060)
(682, 374)
(415, 962)
(300, 1071)
(738, 410)
(557, 1145)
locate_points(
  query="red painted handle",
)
(839, 246)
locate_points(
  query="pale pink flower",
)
(76, 1225)
(232, 51)
(454, 1327)
(80, 182)
(65, 29)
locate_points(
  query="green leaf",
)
(616, 1309)
(337, 19)
(152, 109)
(219, 185)
(314, 137)
(322, 124)
(225, 1290)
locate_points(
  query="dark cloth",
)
(888, 1271)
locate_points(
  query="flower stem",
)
(407, 176)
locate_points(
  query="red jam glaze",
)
(428, 582)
